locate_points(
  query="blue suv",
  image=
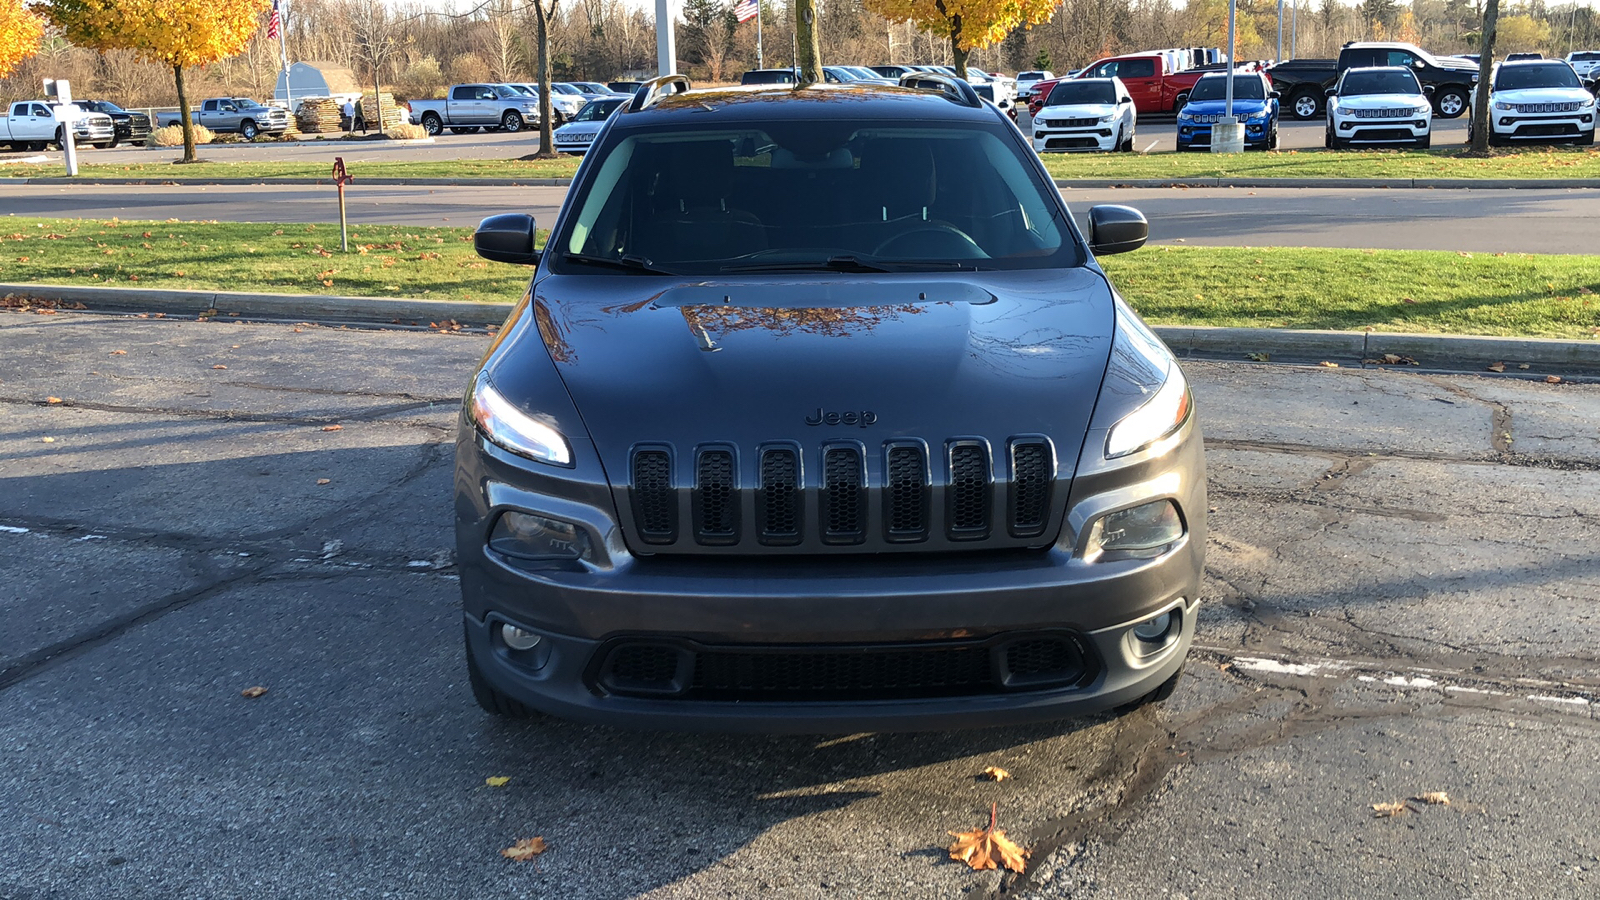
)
(1255, 103)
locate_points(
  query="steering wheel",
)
(932, 240)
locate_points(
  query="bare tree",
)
(502, 41)
(543, 12)
(373, 29)
(1481, 127)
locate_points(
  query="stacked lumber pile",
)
(392, 113)
(319, 115)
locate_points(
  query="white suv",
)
(1085, 114)
(1538, 100)
(1378, 105)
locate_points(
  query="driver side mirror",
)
(1116, 229)
(1273, 95)
(1331, 92)
(507, 238)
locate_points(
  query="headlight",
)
(1105, 119)
(1500, 104)
(1586, 103)
(513, 429)
(1159, 380)
(1423, 110)
(539, 538)
(1150, 526)
(1184, 115)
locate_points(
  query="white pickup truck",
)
(34, 124)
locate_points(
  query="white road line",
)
(1152, 145)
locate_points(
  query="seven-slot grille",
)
(843, 493)
(1548, 107)
(1407, 112)
(1070, 123)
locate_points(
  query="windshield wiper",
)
(843, 264)
(625, 263)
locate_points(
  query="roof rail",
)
(953, 88)
(647, 94)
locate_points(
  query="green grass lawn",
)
(384, 260)
(1385, 290)
(1533, 162)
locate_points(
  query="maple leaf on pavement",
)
(525, 849)
(988, 848)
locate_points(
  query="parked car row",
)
(507, 106)
(233, 115)
(35, 124)
(995, 88)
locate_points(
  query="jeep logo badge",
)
(823, 417)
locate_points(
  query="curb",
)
(1430, 350)
(295, 307)
(1487, 184)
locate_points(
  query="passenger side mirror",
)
(1331, 92)
(507, 238)
(1273, 95)
(1428, 88)
(1116, 229)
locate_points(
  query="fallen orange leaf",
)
(52, 400)
(219, 366)
(253, 692)
(1552, 379)
(333, 428)
(1497, 367)
(979, 847)
(324, 481)
(995, 773)
(525, 849)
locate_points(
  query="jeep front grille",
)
(783, 497)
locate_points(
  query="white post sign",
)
(60, 90)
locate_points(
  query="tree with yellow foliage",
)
(970, 24)
(177, 33)
(1523, 34)
(20, 31)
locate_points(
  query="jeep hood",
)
(750, 360)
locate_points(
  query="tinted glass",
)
(564, 89)
(799, 193)
(1553, 75)
(1356, 83)
(1585, 57)
(465, 92)
(1070, 92)
(597, 110)
(1245, 87)
(1137, 68)
(506, 92)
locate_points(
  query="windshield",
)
(1557, 75)
(1356, 83)
(863, 72)
(564, 89)
(807, 194)
(1582, 56)
(506, 92)
(247, 103)
(597, 110)
(1070, 92)
(1212, 87)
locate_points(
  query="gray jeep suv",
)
(819, 416)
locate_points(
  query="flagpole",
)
(758, 36)
(283, 53)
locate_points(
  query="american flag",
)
(747, 10)
(274, 23)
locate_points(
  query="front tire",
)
(432, 124)
(1425, 142)
(1272, 137)
(60, 139)
(1305, 105)
(1586, 140)
(1451, 103)
(511, 121)
(1127, 143)
(248, 130)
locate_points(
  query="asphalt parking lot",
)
(1401, 597)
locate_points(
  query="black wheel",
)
(1586, 140)
(60, 139)
(1329, 141)
(1127, 143)
(1496, 140)
(1425, 142)
(1451, 103)
(1272, 138)
(511, 121)
(1305, 105)
(432, 124)
(114, 142)
(490, 699)
(248, 130)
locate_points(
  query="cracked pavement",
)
(1401, 598)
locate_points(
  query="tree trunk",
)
(377, 100)
(1480, 106)
(183, 117)
(808, 51)
(541, 30)
(958, 55)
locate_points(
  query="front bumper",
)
(1197, 136)
(1380, 131)
(1558, 126)
(859, 604)
(1066, 140)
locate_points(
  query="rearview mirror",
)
(507, 238)
(1116, 229)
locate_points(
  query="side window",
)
(1401, 58)
(40, 110)
(462, 93)
(486, 94)
(1106, 70)
(1138, 68)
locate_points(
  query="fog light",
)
(1151, 630)
(526, 536)
(1151, 526)
(517, 639)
